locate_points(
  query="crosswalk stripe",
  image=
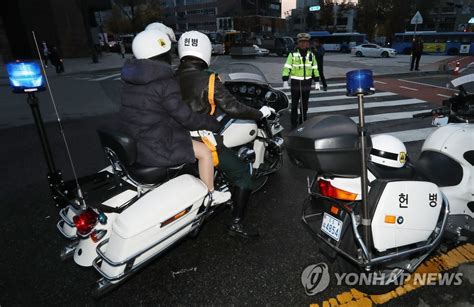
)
(387, 116)
(329, 86)
(401, 102)
(330, 103)
(336, 90)
(412, 135)
(339, 97)
(106, 77)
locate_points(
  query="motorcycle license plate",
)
(331, 226)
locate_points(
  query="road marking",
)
(381, 82)
(367, 105)
(409, 88)
(439, 263)
(339, 97)
(387, 116)
(106, 77)
(336, 90)
(425, 84)
(412, 135)
(441, 95)
(329, 85)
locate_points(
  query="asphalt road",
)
(215, 268)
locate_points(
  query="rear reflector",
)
(177, 216)
(85, 222)
(328, 190)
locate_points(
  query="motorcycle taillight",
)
(85, 222)
(328, 190)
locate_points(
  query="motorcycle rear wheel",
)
(393, 277)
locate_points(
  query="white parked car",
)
(218, 49)
(261, 51)
(373, 50)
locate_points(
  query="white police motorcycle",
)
(128, 214)
(407, 209)
(257, 142)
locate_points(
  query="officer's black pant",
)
(322, 77)
(300, 89)
(415, 61)
(236, 171)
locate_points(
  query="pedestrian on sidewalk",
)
(416, 52)
(319, 52)
(122, 49)
(45, 52)
(301, 69)
(56, 60)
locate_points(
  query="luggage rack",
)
(65, 220)
(367, 258)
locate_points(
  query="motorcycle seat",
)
(122, 149)
(384, 172)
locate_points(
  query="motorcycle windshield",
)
(243, 72)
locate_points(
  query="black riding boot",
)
(236, 228)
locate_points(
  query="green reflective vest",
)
(299, 68)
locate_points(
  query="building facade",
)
(448, 16)
(302, 20)
(61, 23)
(221, 15)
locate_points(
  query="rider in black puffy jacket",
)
(195, 53)
(153, 113)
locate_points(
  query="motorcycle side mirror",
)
(271, 96)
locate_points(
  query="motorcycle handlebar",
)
(434, 112)
(422, 115)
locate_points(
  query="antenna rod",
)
(79, 191)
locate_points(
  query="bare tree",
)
(386, 17)
(131, 16)
(326, 20)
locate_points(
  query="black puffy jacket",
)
(153, 113)
(194, 81)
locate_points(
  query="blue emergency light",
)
(360, 82)
(25, 77)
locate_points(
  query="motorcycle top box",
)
(328, 144)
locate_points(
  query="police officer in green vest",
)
(301, 69)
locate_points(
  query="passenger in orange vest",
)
(194, 50)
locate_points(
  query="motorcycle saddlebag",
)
(161, 216)
(328, 144)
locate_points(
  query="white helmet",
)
(163, 28)
(148, 44)
(388, 151)
(196, 44)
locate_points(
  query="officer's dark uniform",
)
(194, 81)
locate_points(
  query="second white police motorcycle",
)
(129, 214)
(411, 208)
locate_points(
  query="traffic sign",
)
(471, 20)
(314, 8)
(417, 19)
